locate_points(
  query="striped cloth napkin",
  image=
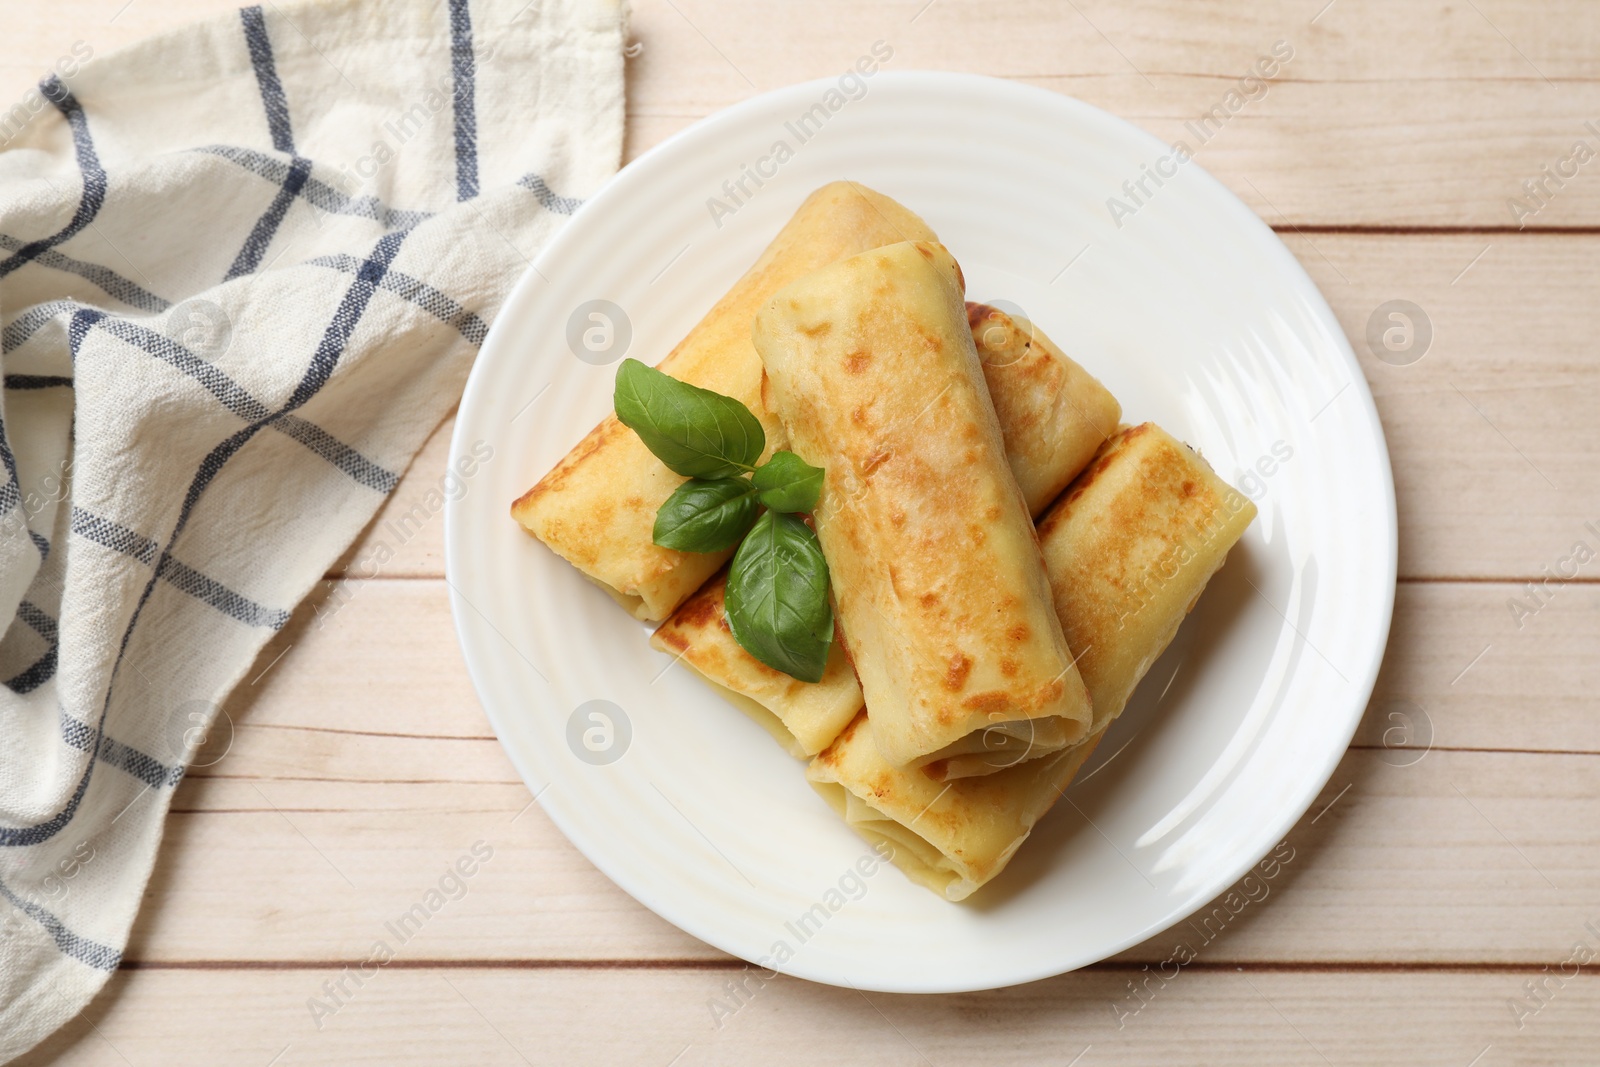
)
(244, 269)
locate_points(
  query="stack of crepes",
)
(978, 657)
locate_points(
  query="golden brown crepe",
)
(951, 837)
(1130, 547)
(804, 717)
(941, 590)
(1053, 416)
(597, 507)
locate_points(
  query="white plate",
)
(1191, 311)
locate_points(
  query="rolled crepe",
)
(1129, 550)
(940, 587)
(952, 837)
(804, 717)
(597, 507)
(1053, 416)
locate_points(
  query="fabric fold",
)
(244, 269)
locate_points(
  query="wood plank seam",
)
(733, 964)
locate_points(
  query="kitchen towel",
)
(244, 269)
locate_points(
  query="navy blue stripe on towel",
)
(464, 69)
(100, 957)
(255, 246)
(272, 97)
(94, 176)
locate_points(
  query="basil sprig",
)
(706, 515)
(788, 483)
(777, 597)
(695, 432)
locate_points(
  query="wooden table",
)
(1431, 910)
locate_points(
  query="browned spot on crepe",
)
(955, 674)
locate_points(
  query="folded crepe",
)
(804, 717)
(940, 588)
(951, 837)
(1053, 416)
(1129, 549)
(597, 507)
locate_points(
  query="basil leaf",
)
(777, 597)
(706, 516)
(695, 432)
(788, 483)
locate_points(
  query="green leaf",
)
(697, 433)
(788, 483)
(706, 516)
(777, 597)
